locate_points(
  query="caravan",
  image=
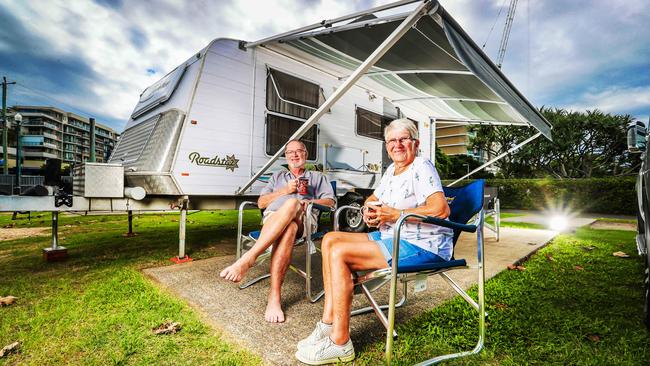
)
(208, 134)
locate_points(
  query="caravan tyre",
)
(351, 220)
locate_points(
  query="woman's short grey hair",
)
(403, 124)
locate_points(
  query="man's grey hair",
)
(403, 124)
(304, 147)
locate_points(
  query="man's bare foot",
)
(274, 313)
(236, 271)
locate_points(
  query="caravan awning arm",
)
(400, 72)
(423, 9)
(329, 23)
(511, 150)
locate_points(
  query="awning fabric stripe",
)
(468, 86)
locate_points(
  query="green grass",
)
(524, 225)
(97, 308)
(623, 221)
(553, 313)
(518, 225)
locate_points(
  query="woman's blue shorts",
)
(409, 254)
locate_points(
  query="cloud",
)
(99, 55)
(569, 53)
(618, 100)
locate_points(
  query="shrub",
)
(595, 195)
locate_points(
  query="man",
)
(283, 220)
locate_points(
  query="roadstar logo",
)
(229, 162)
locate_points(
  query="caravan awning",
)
(435, 68)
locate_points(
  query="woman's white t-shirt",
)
(410, 189)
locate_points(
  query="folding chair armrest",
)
(427, 219)
(321, 208)
(450, 224)
(338, 212)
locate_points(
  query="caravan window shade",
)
(370, 124)
(278, 131)
(290, 95)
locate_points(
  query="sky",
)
(94, 58)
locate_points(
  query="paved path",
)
(240, 312)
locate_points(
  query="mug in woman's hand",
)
(372, 208)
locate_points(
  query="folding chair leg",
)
(368, 309)
(481, 306)
(497, 219)
(377, 308)
(460, 291)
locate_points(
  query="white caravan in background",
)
(207, 134)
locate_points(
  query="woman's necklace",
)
(400, 169)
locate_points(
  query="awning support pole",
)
(511, 150)
(401, 29)
(432, 146)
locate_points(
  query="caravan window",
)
(290, 101)
(279, 129)
(290, 95)
(370, 124)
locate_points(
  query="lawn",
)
(575, 303)
(519, 225)
(97, 308)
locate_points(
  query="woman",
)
(410, 185)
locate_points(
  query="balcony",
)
(51, 146)
(51, 136)
(39, 154)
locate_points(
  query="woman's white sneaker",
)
(321, 332)
(326, 351)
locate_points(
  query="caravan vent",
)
(133, 141)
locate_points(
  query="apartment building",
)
(453, 139)
(52, 133)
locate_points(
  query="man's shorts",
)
(409, 254)
(314, 221)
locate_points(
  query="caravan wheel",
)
(352, 220)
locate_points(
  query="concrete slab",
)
(240, 312)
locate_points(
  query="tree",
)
(456, 166)
(585, 144)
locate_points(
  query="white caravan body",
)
(210, 135)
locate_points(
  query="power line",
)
(503, 4)
(46, 96)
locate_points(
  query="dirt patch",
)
(19, 233)
(609, 225)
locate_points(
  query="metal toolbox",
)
(98, 180)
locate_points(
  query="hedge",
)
(593, 195)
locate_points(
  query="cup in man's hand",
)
(301, 187)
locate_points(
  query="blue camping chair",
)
(465, 202)
(245, 242)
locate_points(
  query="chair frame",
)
(384, 274)
(308, 238)
(495, 213)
